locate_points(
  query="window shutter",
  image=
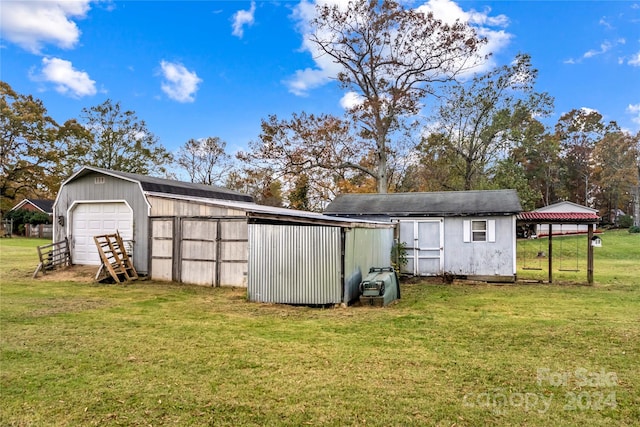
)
(466, 232)
(491, 230)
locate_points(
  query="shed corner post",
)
(396, 241)
(590, 255)
(176, 271)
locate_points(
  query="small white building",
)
(469, 234)
(566, 209)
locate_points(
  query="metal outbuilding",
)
(468, 234)
(204, 235)
(280, 255)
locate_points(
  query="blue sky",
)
(194, 69)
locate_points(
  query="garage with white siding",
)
(96, 201)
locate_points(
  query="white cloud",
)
(179, 83)
(67, 80)
(635, 60)
(491, 27)
(605, 23)
(634, 110)
(305, 80)
(604, 47)
(351, 100)
(32, 24)
(484, 24)
(242, 18)
(587, 110)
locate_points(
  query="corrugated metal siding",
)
(293, 264)
(113, 189)
(364, 248)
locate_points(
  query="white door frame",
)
(76, 203)
(414, 249)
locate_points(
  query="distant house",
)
(564, 228)
(35, 205)
(468, 234)
(613, 216)
(44, 206)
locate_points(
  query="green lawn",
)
(149, 353)
(616, 262)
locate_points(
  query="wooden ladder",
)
(115, 258)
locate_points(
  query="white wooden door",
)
(424, 240)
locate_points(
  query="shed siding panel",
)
(294, 264)
(234, 252)
(479, 258)
(161, 249)
(233, 274)
(197, 245)
(364, 248)
(112, 189)
(161, 206)
(198, 272)
(198, 250)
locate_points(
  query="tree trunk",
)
(468, 175)
(382, 171)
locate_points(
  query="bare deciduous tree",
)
(390, 58)
(205, 160)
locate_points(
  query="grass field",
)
(73, 352)
(616, 262)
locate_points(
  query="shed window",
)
(98, 180)
(480, 230)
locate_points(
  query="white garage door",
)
(94, 219)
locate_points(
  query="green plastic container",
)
(380, 287)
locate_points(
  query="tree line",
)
(420, 119)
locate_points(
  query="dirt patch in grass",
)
(74, 273)
(67, 305)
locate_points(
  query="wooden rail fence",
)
(53, 256)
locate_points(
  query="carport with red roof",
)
(550, 218)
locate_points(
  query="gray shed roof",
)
(446, 203)
(259, 213)
(167, 186)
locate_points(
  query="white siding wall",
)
(464, 257)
